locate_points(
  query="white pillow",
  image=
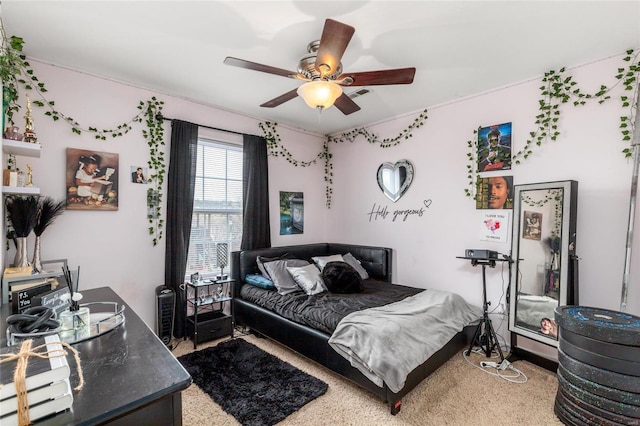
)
(351, 260)
(321, 261)
(308, 278)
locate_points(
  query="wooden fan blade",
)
(280, 99)
(345, 104)
(335, 38)
(379, 78)
(241, 63)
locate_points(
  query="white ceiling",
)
(458, 48)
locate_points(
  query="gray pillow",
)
(320, 261)
(281, 278)
(355, 263)
(308, 279)
(261, 260)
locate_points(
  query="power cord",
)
(497, 369)
(493, 311)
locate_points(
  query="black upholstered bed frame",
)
(312, 343)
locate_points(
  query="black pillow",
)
(341, 278)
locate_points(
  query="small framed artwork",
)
(495, 192)
(291, 213)
(532, 229)
(494, 147)
(139, 174)
(91, 180)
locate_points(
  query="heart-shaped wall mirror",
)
(395, 179)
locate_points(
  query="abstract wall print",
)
(291, 213)
(532, 225)
(495, 192)
(92, 180)
(494, 147)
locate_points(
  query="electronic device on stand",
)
(485, 336)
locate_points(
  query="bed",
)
(275, 316)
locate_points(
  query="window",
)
(217, 207)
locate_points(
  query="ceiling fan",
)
(321, 69)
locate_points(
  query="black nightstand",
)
(209, 298)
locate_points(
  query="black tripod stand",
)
(485, 336)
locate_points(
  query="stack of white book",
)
(47, 382)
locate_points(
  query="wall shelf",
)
(25, 149)
(21, 190)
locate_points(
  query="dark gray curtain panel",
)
(180, 190)
(256, 232)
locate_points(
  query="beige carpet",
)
(456, 394)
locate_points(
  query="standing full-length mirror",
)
(544, 274)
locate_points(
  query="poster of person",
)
(495, 192)
(139, 174)
(291, 213)
(495, 227)
(494, 147)
(91, 180)
(532, 229)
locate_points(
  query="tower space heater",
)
(165, 311)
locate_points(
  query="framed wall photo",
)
(92, 180)
(139, 174)
(495, 192)
(291, 213)
(494, 147)
(532, 225)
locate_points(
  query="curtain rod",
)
(160, 117)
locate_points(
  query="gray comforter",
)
(386, 343)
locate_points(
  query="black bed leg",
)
(395, 407)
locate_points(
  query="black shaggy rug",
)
(252, 385)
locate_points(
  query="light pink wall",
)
(425, 248)
(114, 248)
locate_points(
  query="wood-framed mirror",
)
(544, 271)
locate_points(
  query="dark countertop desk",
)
(131, 377)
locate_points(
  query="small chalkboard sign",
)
(53, 299)
(21, 300)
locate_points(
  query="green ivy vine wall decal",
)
(275, 147)
(16, 72)
(154, 135)
(557, 89)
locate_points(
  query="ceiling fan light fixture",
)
(319, 94)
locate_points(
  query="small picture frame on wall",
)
(291, 213)
(92, 180)
(532, 225)
(495, 192)
(494, 147)
(139, 174)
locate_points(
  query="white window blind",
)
(217, 207)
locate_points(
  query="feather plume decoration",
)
(23, 213)
(49, 210)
